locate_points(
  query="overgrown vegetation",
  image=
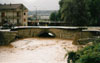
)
(90, 54)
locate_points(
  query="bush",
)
(72, 56)
(89, 58)
(89, 54)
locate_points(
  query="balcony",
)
(10, 17)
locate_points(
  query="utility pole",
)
(36, 16)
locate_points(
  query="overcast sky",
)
(33, 4)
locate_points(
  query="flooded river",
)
(36, 50)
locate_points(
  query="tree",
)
(58, 16)
(94, 11)
(74, 12)
(80, 12)
(55, 16)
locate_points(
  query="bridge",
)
(41, 31)
(49, 23)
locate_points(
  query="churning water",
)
(36, 50)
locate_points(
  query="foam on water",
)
(36, 50)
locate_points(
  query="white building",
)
(44, 17)
(13, 14)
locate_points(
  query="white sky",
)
(39, 4)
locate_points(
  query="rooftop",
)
(10, 6)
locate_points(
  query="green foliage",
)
(90, 54)
(72, 56)
(80, 12)
(90, 58)
(58, 16)
(93, 7)
(55, 16)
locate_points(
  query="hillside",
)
(40, 12)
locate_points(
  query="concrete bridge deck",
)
(57, 27)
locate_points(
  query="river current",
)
(36, 50)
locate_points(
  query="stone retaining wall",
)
(6, 37)
(81, 35)
(59, 33)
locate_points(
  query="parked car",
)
(5, 26)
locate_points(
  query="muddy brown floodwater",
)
(36, 50)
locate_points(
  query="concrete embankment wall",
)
(6, 37)
(82, 35)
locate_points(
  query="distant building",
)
(13, 14)
(41, 15)
(44, 17)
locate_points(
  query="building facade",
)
(13, 14)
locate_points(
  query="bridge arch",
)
(48, 34)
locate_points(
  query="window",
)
(24, 20)
(24, 13)
(17, 21)
(3, 14)
(18, 14)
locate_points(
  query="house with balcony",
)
(13, 14)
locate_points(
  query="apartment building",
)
(13, 14)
